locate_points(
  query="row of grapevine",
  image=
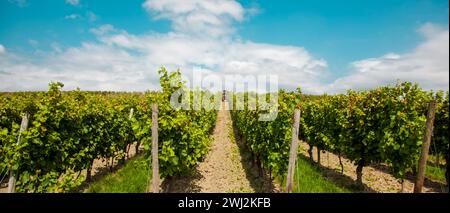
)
(68, 130)
(440, 142)
(184, 135)
(269, 141)
(383, 125)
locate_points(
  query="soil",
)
(375, 178)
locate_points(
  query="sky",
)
(320, 46)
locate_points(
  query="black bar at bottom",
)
(232, 202)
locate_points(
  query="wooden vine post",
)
(12, 175)
(293, 151)
(130, 116)
(425, 147)
(155, 165)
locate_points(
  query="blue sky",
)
(322, 46)
(344, 31)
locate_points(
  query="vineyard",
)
(381, 126)
(385, 125)
(66, 131)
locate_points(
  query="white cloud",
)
(203, 35)
(430, 30)
(20, 3)
(56, 47)
(2, 49)
(122, 61)
(199, 17)
(427, 64)
(73, 16)
(90, 67)
(91, 16)
(294, 65)
(33, 43)
(254, 10)
(73, 2)
(102, 30)
(119, 60)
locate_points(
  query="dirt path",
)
(226, 168)
(375, 179)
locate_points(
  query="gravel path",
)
(222, 170)
(226, 168)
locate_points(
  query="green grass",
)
(434, 172)
(133, 177)
(309, 179)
